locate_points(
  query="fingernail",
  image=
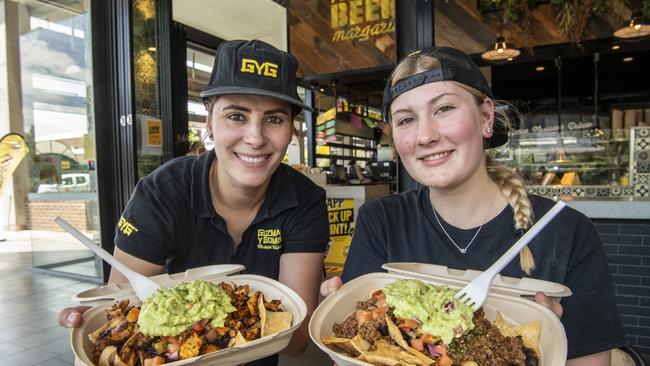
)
(71, 318)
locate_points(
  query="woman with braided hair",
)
(469, 209)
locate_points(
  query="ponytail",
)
(512, 187)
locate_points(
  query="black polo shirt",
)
(170, 220)
(402, 228)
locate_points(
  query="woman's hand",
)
(72, 317)
(549, 302)
(331, 285)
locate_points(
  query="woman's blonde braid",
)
(512, 187)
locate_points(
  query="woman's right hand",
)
(72, 317)
(331, 285)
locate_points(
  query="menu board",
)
(340, 35)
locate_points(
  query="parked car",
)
(72, 182)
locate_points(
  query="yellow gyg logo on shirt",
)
(126, 227)
(266, 68)
(269, 239)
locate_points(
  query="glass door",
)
(57, 109)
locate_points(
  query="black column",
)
(172, 81)
(414, 29)
(113, 110)
(310, 121)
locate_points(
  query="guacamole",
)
(433, 306)
(170, 311)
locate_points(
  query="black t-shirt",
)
(403, 228)
(170, 220)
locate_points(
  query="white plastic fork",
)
(142, 285)
(475, 293)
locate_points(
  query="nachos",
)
(409, 322)
(185, 321)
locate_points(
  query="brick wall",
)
(627, 244)
(41, 214)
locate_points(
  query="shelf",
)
(341, 157)
(347, 146)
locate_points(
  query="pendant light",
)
(596, 132)
(500, 52)
(636, 28)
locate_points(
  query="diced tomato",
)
(379, 295)
(363, 316)
(444, 360)
(417, 344)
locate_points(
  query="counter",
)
(632, 209)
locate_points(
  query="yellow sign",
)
(329, 115)
(361, 19)
(154, 132)
(253, 67)
(12, 151)
(341, 220)
(65, 164)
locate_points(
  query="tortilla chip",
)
(388, 354)
(529, 332)
(273, 321)
(395, 333)
(353, 346)
(237, 340)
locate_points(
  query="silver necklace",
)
(462, 250)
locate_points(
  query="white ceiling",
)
(235, 19)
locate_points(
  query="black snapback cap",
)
(254, 68)
(455, 65)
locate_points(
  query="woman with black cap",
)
(469, 209)
(237, 203)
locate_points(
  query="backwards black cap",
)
(454, 65)
(254, 68)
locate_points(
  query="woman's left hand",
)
(549, 302)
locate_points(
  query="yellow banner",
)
(341, 220)
(13, 150)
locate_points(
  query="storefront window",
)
(57, 105)
(147, 117)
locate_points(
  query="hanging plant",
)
(573, 15)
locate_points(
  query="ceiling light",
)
(151, 49)
(636, 28)
(616, 47)
(501, 52)
(628, 59)
(509, 58)
(539, 68)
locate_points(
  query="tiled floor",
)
(29, 301)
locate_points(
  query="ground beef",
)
(485, 345)
(374, 330)
(347, 329)
(367, 305)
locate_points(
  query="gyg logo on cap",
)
(265, 68)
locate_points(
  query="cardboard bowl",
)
(515, 310)
(259, 348)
